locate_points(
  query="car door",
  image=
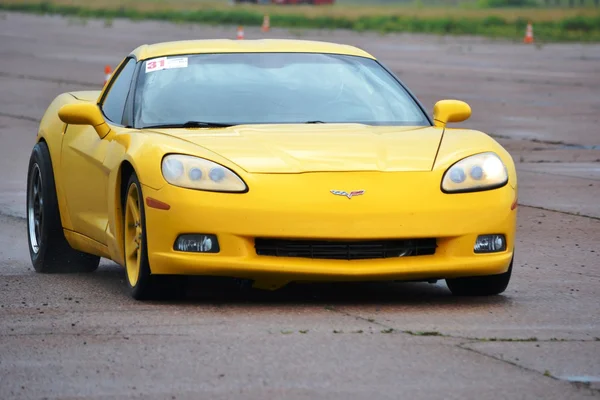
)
(85, 178)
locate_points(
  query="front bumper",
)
(405, 205)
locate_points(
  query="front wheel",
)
(142, 284)
(489, 285)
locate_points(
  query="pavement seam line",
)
(560, 212)
(512, 340)
(463, 347)
(109, 335)
(583, 178)
(20, 117)
(17, 217)
(575, 385)
(536, 140)
(44, 79)
(358, 317)
(470, 339)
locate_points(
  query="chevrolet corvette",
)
(267, 161)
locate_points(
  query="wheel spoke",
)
(133, 248)
(134, 209)
(38, 186)
(37, 230)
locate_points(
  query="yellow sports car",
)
(269, 161)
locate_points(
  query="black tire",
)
(147, 286)
(489, 285)
(48, 248)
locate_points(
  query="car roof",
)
(206, 46)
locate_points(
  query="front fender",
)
(51, 131)
(141, 152)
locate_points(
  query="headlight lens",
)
(198, 173)
(479, 172)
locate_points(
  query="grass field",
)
(580, 23)
(342, 9)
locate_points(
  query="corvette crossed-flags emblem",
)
(348, 195)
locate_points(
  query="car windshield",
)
(271, 88)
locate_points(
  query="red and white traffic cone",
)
(240, 33)
(107, 73)
(528, 34)
(266, 25)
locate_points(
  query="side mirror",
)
(446, 111)
(84, 114)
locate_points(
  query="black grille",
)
(345, 250)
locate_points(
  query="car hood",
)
(319, 147)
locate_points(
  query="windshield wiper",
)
(315, 122)
(191, 124)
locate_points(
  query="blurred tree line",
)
(485, 3)
(538, 3)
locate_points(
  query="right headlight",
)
(482, 171)
(198, 173)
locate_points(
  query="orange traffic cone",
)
(528, 34)
(266, 24)
(240, 33)
(106, 74)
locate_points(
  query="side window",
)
(114, 101)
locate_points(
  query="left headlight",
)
(482, 171)
(197, 173)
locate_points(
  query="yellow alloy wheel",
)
(133, 235)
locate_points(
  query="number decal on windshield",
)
(166, 63)
(156, 64)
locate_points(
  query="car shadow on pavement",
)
(342, 293)
(226, 291)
